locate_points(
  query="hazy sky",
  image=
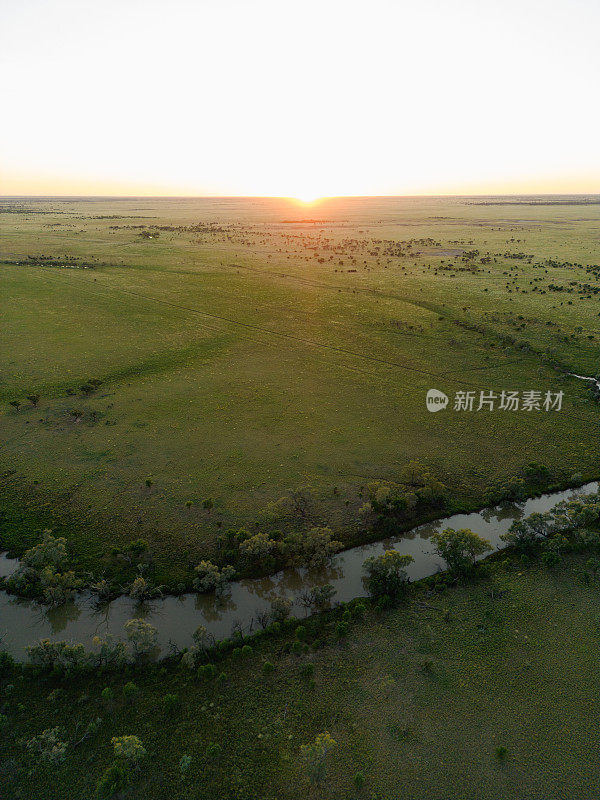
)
(303, 99)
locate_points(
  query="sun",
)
(307, 199)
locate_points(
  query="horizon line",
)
(289, 197)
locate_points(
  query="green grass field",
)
(478, 692)
(248, 350)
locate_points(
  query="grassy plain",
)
(248, 350)
(478, 692)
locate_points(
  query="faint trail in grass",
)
(291, 337)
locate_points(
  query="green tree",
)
(386, 574)
(460, 548)
(315, 755)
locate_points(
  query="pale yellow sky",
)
(302, 99)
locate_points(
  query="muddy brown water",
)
(25, 622)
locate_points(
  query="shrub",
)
(359, 780)
(307, 670)
(314, 549)
(315, 754)
(114, 781)
(257, 547)
(170, 702)
(128, 749)
(318, 598)
(208, 672)
(358, 610)
(300, 633)
(130, 692)
(184, 764)
(48, 746)
(247, 651)
(213, 751)
(386, 574)
(140, 589)
(107, 696)
(142, 635)
(58, 656)
(50, 552)
(459, 549)
(210, 578)
(268, 667)
(281, 608)
(525, 534)
(112, 653)
(341, 630)
(537, 473)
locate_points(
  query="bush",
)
(525, 534)
(386, 574)
(142, 635)
(315, 754)
(130, 692)
(358, 610)
(307, 670)
(128, 749)
(207, 672)
(247, 651)
(48, 746)
(210, 578)
(170, 702)
(268, 668)
(359, 780)
(213, 751)
(184, 764)
(281, 608)
(341, 630)
(107, 696)
(536, 473)
(315, 549)
(459, 549)
(114, 782)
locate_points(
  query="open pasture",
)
(248, 347)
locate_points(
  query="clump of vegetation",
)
(49, 746)
(569, 525)
(43, 572)
(142, 636)
(129, 753)
(460, 549)
(281, 608)
(386, 574)
(315, 755)
(319, 598)
(141, 589)
(417, 489)
(313, 549)
(212, 579)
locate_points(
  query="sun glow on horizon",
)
(308, 199)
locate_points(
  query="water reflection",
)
(245, 605)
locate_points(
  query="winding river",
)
(24, 622)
